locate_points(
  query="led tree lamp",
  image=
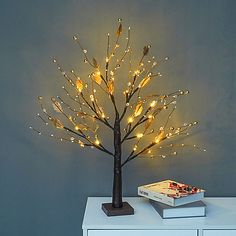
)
(80, 113)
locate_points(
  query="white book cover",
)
(171, 192)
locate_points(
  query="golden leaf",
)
(81, 127)
(138, 109)
(149, 122)
(79, 84)
(144, 82)
(119, 30)
(110, 86)
(161, 136)
(57, 123)
(95, 63)
(96, 129)
(162, 97)
(96, 76)
(56, 105)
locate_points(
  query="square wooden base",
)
(111, 211)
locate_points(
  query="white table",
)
(219, 221)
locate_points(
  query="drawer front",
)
(142, 232)
(220, 232)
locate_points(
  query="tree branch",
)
(114, 103)
(140, 121)
(128, 98)
(131, 156)
(97, 115)
(82, 135)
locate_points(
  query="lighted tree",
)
(80, 112)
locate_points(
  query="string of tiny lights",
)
(82, 115)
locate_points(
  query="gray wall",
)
(43, 184)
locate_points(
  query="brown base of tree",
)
(109, 210)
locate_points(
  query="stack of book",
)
(174, 200)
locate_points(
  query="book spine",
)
(155, 196)
(193, 210)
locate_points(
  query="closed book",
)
(171, 192)
(194, 209)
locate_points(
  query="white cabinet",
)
(219, 232)
(142, 232)
(220, 220)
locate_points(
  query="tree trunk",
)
(117, 181)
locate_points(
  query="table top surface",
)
(220, 214)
